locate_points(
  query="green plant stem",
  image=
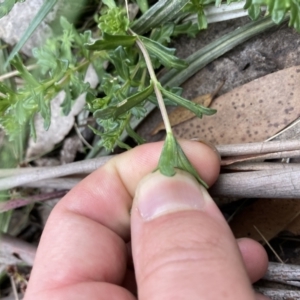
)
(156, 84)
(16, 73)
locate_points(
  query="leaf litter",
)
(250, 113)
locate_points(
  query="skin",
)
(184, 253)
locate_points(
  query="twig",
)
(283, 273)
(14, 251)
(64, 183)
(18, 171)
(258, 166)
(85, 142)
(15, 203)
(278, 294)
(14, 288)
(277, 182)
(86, 166)
(260, 184)
(258, 148)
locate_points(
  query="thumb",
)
(182, 246)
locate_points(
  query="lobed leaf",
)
(172, 157)
(165, 55)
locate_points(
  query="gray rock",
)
(13, 26)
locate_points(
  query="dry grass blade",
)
(272, 249)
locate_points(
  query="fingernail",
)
(159, 195)
(209, 144)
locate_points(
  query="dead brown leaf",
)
(250, 113)
(294, 226)
(270, 216)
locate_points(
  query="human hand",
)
(182, 247)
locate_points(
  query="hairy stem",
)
(156, 84)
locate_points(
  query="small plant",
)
(134, 50)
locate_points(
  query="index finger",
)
(83, 240)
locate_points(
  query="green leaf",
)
(202, 21)
(109, 3)
(197, 109)
(172, 157)
(6, 6)
(18, 64)
(120, 61)
(174, 90)
(114, 21)
(189, 28)
(105, 113)
(20, 113)
(77, 85)
(277, 9)
(163, 34)
(32, 128)
(45, 110)
(4, 89)
(165, 55)
(123, 145)
(143, 5)
(111, 42)
(67, 103)
(124, 106)
(43, 12)
(134, 135)
(254, 12)
(162, 12)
